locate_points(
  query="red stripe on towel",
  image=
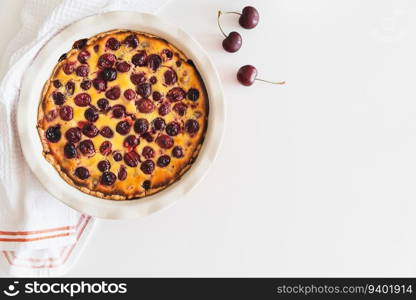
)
(50, 265)
(36, 231)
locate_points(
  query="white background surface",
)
(316, 178)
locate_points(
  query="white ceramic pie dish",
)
(40, 70)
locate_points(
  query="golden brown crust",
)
(131, 187)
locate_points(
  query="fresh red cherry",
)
(233, 41)
(247, 74)
(249, 17)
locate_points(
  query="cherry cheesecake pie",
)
(123, 115)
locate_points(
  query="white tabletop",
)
(316, 178)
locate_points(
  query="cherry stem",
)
(224, 13)
(219, 25)
(231, 12)
(272, 82)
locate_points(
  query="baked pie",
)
(123, 115)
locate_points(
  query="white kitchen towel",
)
(39, 236)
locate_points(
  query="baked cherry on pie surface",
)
(123, 115)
